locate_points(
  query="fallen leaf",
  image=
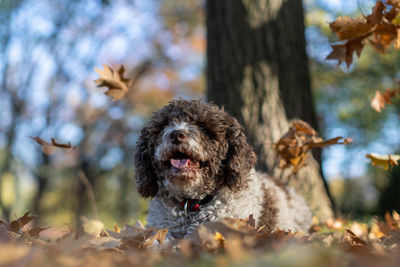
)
(115, 81)
(17, 224)
(34, 232)
(220, 238)
(116, 228)
(356, 239)
(145, 238)
(92, 227)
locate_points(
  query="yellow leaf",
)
(92, 227)
(383, 161)
(220, 238)
(116, 228)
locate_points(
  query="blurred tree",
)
(257, 68)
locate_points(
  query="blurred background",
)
(48, 51)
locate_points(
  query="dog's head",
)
(189, 149)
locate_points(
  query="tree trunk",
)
(257, 68)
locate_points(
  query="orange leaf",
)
(293, 146)
(380, 100)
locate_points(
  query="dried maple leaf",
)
(348, 28)
(333, 141)
(380, 100)
(344, 52)
(383, 36)
(212, 236)
(34, 232)
(377, 14)
(117, 84)
(137, 236)
(383, 161)
(379, 28)
(17, 224)
(53, 143)
(355, 239)
(293, 146)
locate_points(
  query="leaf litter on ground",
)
(337, 242)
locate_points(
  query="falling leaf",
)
(377, 13)
(380, 29)
(53, 143)
(383, 161)
(383, 37)
(333, 141)
(350, 28)
(344, 52)
(304, 127)
(380, 100)
(115, 81)
(293, 146)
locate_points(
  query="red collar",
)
(195, 204)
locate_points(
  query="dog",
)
(193, 160)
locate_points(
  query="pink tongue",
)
(180, 163)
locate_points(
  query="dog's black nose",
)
(177, 136)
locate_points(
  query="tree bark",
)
(257, 68)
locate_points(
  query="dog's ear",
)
(146, 178)
(240, 156)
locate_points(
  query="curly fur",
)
(220, 164)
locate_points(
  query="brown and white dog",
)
(193, 159)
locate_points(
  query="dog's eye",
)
(202, 128)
